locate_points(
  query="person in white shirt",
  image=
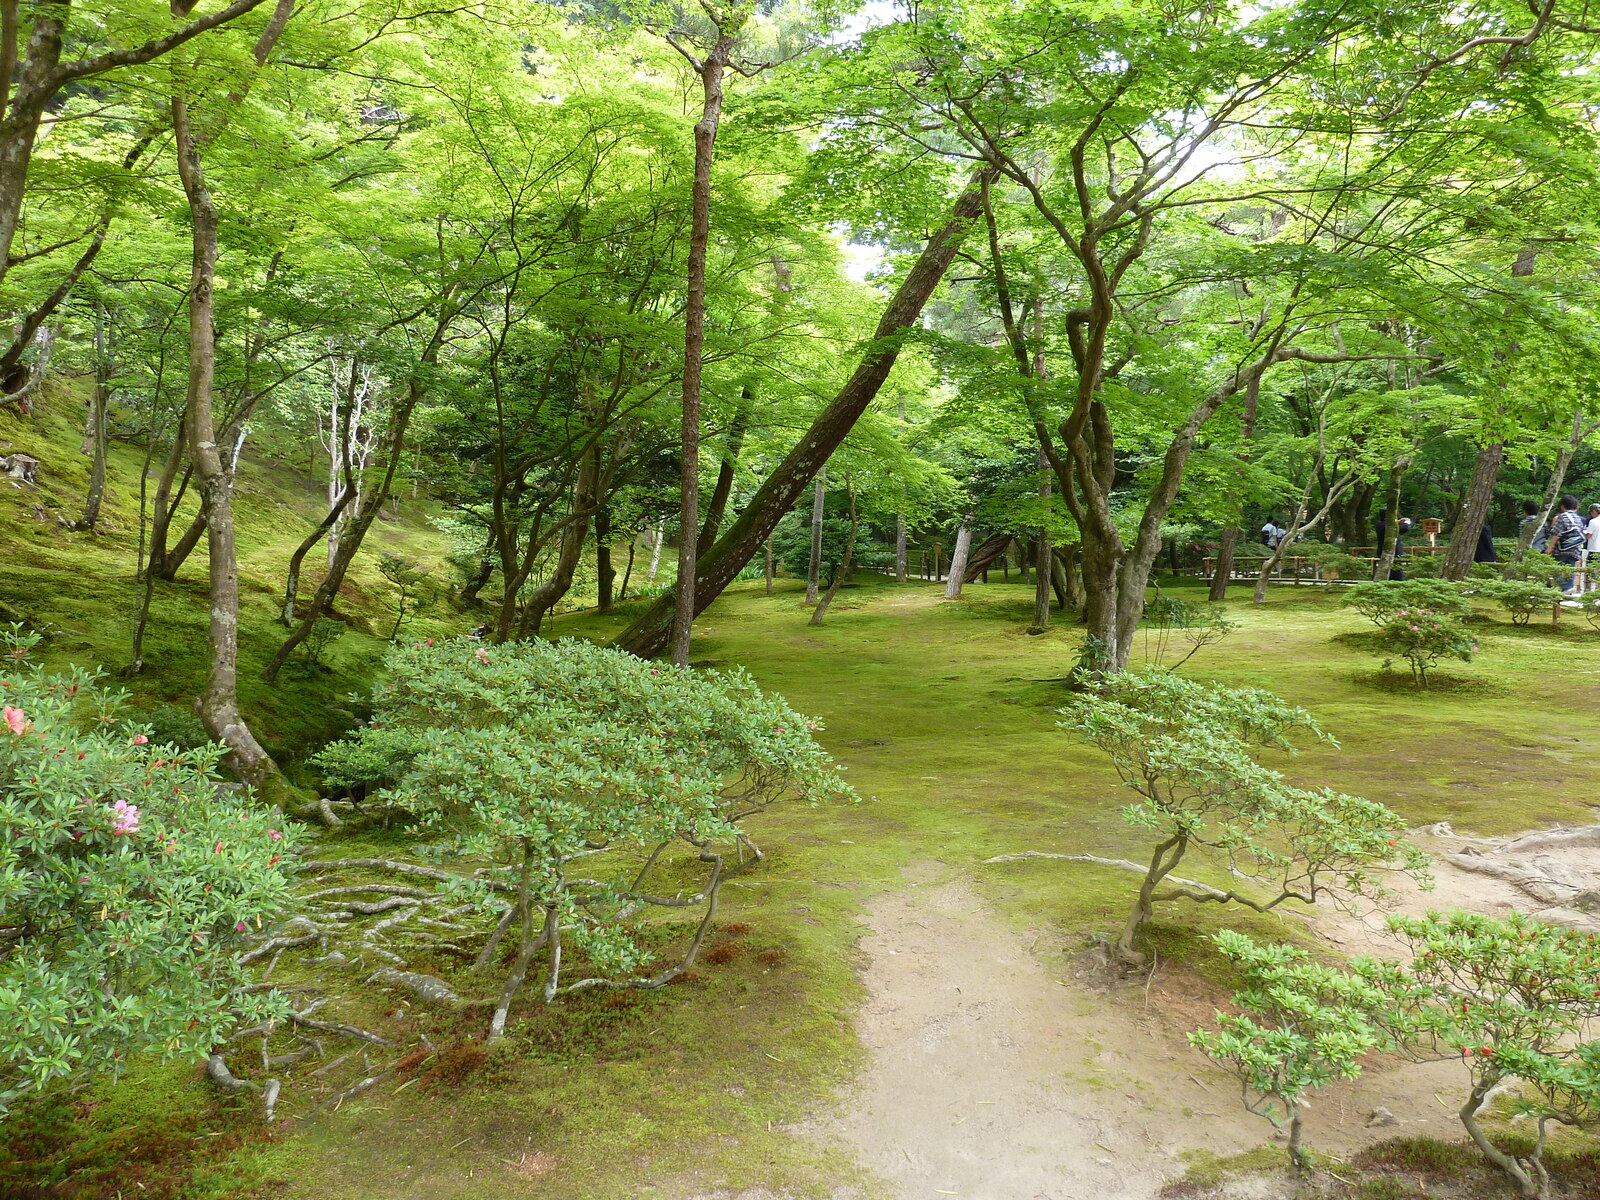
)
(1591, 547)
(1272, 533)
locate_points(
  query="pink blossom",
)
(16, 719)
(239, 928)
(483, 655)
(217, 849)
(275, 835)
(125, 818)
(139, 739)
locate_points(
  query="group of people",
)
(1568, 537)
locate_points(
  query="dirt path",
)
(993, 1078)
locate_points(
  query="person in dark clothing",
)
(1397, 571)
(1530, 517)
(1485, 551)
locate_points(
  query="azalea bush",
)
(591, 787)
(1378, 601)
(1190, 752)
(1511, 1000)
(128, 877)
(1425, 637)
(1302, 1025)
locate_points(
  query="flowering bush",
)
(1380, 600)
(127, 875)
(532, 756)
(1422, 637)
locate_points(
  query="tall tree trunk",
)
(605, 573)
(711, 72)
(95, 427)
(1042, 556)
(1474, 511)
(585, 499)
(219, 703)
(1391, 528)
(627, 570)
(845, 564)
(655, 549)
(777, 495)
(1230, 536)
(814, 566)
(958, 559)
(769, 566)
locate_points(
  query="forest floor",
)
(893, 1018)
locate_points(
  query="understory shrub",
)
(1172, 623)
(591, 786)
(1509, 999)
(1189, 751)
(1378, 601)
(1424, 637)
(1522, 599)
(128, 875)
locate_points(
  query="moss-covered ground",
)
(944, 715)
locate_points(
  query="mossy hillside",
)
(80, 587)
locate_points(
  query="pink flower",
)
(239, 928)
(217, 849)
(275, 835)
(482, 655)
(16, 719)
(430, 641)
(125, 818)
(139, 739)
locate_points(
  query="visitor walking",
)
(1530, 516)
(1272, 533)
(1567, 537)
(1485, 551)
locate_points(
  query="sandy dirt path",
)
(995, 1078)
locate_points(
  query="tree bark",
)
(95, 427)
(711, 72)
(1230, 536)
(722, 562)
(958, 559)
(219, 704)
(1042, 556)
(717, 507)
(605, 573)
(1391, 528)
(839, 575)
(814, 567)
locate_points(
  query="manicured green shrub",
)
(1522, 598)
(128, 875)
(1189, 751)
(570, 772)
(1424, 637)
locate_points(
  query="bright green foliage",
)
(1172, 623)
(127, 876)
(1423, 637)
(1523, 598)
(1303, 1026)
(533, 756)
(1380, 600)
(1190, 752)
(1510, 999)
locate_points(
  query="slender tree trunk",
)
(605, 573)
(958, 559)
(1042, 555)
(219, 703)
(627, 571)
(723, 489)
(694, 325)
(1509, 1166)
(1230, 536)
(900, 525)
(291, 585)
(777, 495)
(839, 575)
(769, 566)
(1391, 528)
(585, 499)
(95, 428)
(814, 567)
(1558, 478)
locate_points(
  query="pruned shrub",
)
(1522, 599)
(1423, 638)
(1380, 600)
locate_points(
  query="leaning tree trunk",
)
(721, 563)
(219, 703)
(814, 565)
(958, 559)
(1474, 511)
